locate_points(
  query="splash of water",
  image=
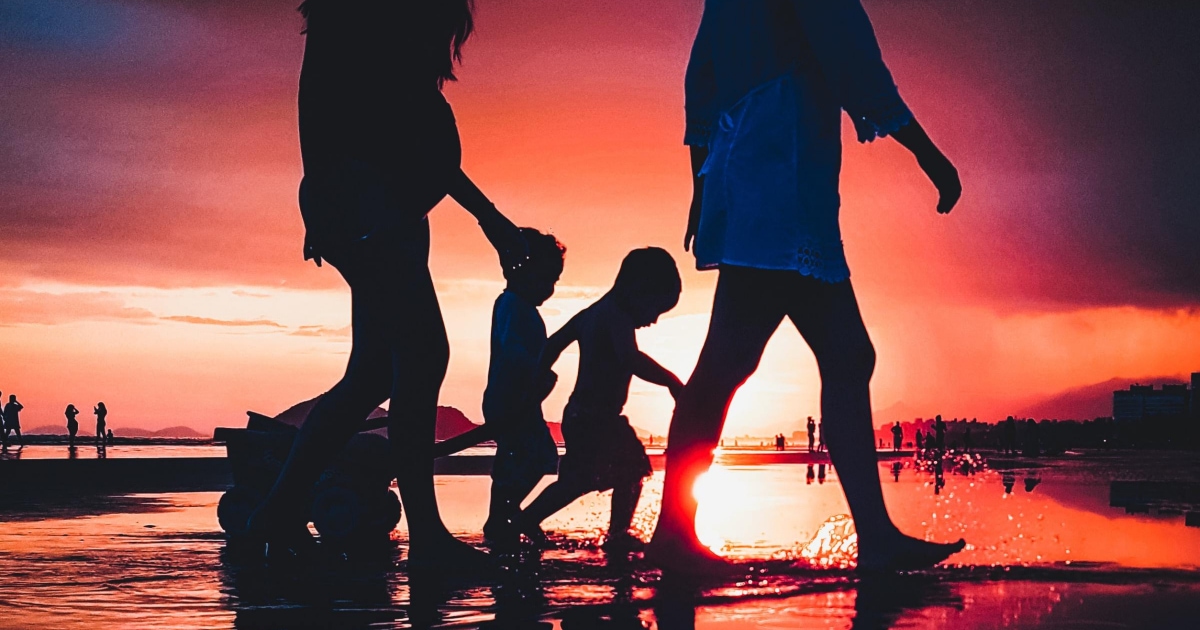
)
(833, 546)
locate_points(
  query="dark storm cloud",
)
(1078, 130)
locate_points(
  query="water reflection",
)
(158, 560)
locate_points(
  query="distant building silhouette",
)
(1141, 402)
(1196, 399)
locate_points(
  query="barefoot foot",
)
(451, 557)
(688, 559)
(905, 553)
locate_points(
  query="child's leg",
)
(505, 505)
(555, 497)
(624, 504)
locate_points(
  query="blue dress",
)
(766, 84)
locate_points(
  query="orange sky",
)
(150, 238)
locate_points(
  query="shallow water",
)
(1052, 552)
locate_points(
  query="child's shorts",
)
(603, 451)
(525, 456)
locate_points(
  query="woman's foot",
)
(679, 558)
(450, 556)
(623, 543)
(898, 552)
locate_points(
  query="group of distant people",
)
(816, 435)
(10, 423)
(104, 435)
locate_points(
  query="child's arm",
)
(556, 344)
(650, 371)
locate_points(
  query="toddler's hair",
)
(546, 256)
(648, 271)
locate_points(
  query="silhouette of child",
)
(603, 451)
(512, 402)
(72, 423)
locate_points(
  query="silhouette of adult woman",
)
(72, 424)
(101, 422)
(380, 149)
(766, 85)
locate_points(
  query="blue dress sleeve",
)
(843, 42)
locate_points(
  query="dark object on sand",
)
(351, 505)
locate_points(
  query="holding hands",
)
(500, 232)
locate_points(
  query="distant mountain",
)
(88, 430)
(171, 432)
(1087, 402)
(450, 421)
(46, 429)
(899, 412)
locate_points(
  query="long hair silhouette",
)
(448, 24)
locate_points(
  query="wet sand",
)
(1057, 555)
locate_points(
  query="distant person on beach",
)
(939, 432)
(897, 437)
(1032, 443)
(108, 438)
(765, 89)
(812, 434)
(3, 430)
(101, 414)
(1010, 436)
(512, 401)
(821, 436)
(603, 450)
(72, 424)
(920, 442)
(12, 419)
(380, 148)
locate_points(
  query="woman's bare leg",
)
(828, 318)
(746, 312)
(339, 412)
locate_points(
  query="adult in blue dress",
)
(766, 86)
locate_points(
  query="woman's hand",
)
(935, 164)
(944, 177)
(699, 157)
(507, 239)
(500, 232)
(693, 224)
